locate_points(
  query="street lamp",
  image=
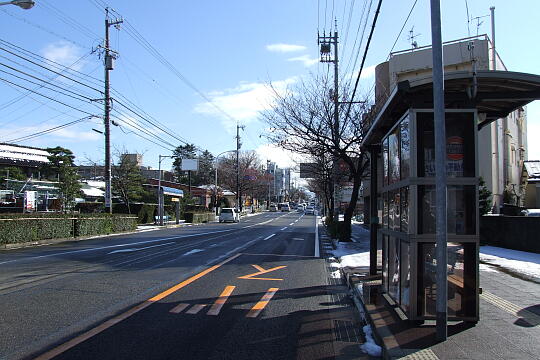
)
(23, 4)
(215, 184)
(160, 193)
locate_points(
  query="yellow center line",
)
(221, 300)
(258, 307)
(109, 323)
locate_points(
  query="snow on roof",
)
(91, 191)
(14, 152)
(96, 183)
(533, 168)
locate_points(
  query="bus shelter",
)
(401, 139)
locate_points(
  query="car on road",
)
(285, 207)
(300, 208)
(272, 208)
(229, 214)
(310, 210)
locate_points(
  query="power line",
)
(45, 96)
(364, 57)
(47, 131)
(45, 82)
(54, 64)
(400, 31)
(26, 21)
(68, 20)
(48, 69)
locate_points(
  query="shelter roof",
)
(498, 93)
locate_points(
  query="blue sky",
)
(228, 51)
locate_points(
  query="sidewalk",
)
(509, 326)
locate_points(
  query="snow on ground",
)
(370, 347)
(521, 262)
(349, 256)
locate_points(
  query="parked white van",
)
(229, 214)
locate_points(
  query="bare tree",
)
(302, 121)
(252, 180)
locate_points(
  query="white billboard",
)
(190, 164)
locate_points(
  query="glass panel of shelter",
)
(398, 147)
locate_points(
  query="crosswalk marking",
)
(196, 308)
(179, 308)
(221, 300)
(258, 307)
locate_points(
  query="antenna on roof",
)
(478, 22)
(412, 36)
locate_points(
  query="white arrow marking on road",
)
(194, 251)
(137, 249)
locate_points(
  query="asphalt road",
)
(253, 290)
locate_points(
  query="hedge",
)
(197, 218)
(20, 228)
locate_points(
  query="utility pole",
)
(325, 43)
(238, 146)
(268, 172)
(109, 59)
(440, 174)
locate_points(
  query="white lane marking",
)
(268, 237)
(194, 251)
(122, 245)
(284, 228)
(116, 246)
(317, 254)
(138, 249)
(291, 224)
(298, 239)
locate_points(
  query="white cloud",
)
(367, 73)
(283, 158)
(306, 59)
(285, 48)
(242, 103)
(64, 53)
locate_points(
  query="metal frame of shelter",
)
(405, 200)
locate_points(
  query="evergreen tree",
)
(484, 198)
(188, 151)
(127, 182)
(61, 168)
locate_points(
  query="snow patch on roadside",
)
(194, 251)
(521, 262)
(350, 257)
(370, 347)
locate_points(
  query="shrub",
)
(30, 229)
(24, 228)
(197, 218)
